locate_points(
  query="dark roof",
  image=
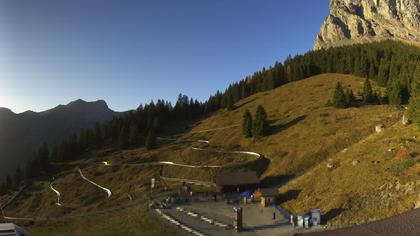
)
(404, 224)
(269, 192)
(237, 178)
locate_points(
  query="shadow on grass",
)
(276, 180)
(245, 103)
(274, 129)
(331, 214)
(289, 195)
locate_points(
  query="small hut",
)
(237, 180)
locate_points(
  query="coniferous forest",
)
(393, 65)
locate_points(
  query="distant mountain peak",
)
(362, 21)
(4, 110)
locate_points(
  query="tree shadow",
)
(259, 165)
(276, 180)
(245, 103)
(287, 196)
(331, 214)
(274, 129)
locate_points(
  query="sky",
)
(130, 52)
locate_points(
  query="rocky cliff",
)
(361, 21)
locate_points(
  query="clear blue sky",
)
(129, 52)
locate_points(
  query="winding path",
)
(57, 193)
(228, 152)
(97, 185)
(169, 163)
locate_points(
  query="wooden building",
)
(233, 181)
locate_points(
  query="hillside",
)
(31, 129)
(365, 177)
(304, 132)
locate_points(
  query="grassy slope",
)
(133, 221)
(304, 132)
(377, 187)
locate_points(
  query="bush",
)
(403, 165)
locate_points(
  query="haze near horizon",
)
(130, 52)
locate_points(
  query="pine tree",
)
(414, 105)
(383, 73)
(3, 189)
(260, 126)
(54, 153)
(229, 102)
(18, 177)
(134, 136)
(247, 124)
(372, 72)
(151, 140)
(367, 92)
(43, 158)
(394, 91)
(339, 98)
(9, 183)
(349, 97)
(122, 139)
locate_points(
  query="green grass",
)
(134, 221)
(403, 164)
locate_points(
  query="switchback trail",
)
(109, 193)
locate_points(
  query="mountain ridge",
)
(357, 21)
(30, 129)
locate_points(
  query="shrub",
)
(403, 165)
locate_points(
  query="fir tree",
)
(43, 158)
(122, 139)
(372, 72)
(229, 102)
(9, 183)
(383, 73)
(260, 126)
(394, 91)
(3, 189)
(367, 92)
(134, 136)
(414, 105)
(18, 177)
(349, 97)
(247, 124)
(151, 140)
(339, 98)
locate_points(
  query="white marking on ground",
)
(57, 193)
(97, 185)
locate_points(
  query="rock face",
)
(362, 21)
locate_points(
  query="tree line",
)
(391, 64)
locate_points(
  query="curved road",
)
(108, 191)
(97, 185)
(57, 193)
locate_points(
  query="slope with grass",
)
(368, 181)
(303, 133)
(303, 130)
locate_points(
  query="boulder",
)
(379, 128)
(405, 120)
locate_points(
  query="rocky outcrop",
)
(362, 21)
